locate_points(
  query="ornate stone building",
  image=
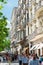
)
(27, 23)
(20, 19)
(36, 25)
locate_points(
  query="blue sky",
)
(7, 10)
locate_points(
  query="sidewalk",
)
(9, 63)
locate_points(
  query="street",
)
(9, 63)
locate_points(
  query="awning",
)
(40, 46)
(3, 52)
(37, 37)
(33, 47)
(37, 45)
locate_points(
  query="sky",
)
(7, 10)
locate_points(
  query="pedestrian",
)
(25, 59)
(1, 58)
(34, 61)
(20, 59)
(37, 56)
(41, 60)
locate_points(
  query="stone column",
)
(41, 51)
(26, 30)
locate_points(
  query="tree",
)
(4, 31)
(4, 1)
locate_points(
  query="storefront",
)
(37, 48)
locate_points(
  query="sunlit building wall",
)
(36, 24)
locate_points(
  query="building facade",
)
(36, 26)
(21, 17)
(13, 29)
(28, 24)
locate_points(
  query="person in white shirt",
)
(1, 59)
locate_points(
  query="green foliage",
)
(1, 7)
(6, 44)
(4, 31)
(1, 14)
(4, 1)
(1, 0)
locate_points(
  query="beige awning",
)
(33, 47)
(37, 45)
(40, 46)
(37, 37)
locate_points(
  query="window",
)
(28, 30)
(24, 33)
(16, 22)
(37, 1)
(18, 35)
(27, 16)
(21, 34)
(41, 2)
(24, 22)
(33, 11)
(21, 1)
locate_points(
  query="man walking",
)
(20, 59)
(34, 61)
(25, 60)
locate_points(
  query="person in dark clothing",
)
(37, 56)
(20, 59)
(34, 61)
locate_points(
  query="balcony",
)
(24, 1)
(27, 6)
(18, 11)
(21, 6)
(39, 11)
(33, 2)
(20, 27)
(35, 33)
(38, 6)
(24, 11)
